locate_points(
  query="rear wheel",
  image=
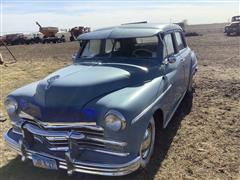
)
(147, 146)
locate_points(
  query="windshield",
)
(146, 47)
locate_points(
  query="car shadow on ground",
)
(17, 170)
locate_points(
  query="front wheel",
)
(147, 146)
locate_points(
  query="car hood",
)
(63, 94)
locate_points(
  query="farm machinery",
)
(20, 38)
(13, 39)
(49, 34)
(45, 35)
(76, 31)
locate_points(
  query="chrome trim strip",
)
(16, 132)
(24, 115)
(97, 165)
(125, 64)
(41, 132)
(56, 138)
(109, 152)
(150, 106)
(116, 143)
(83, 167)
(65, 148)
(69, 125)
(123, 168)
(88, 125)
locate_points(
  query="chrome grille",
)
(87, 137)
(59, 137)
(82, 142)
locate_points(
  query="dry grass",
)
(201, 142)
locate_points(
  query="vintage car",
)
(233, 27)
(100, 114)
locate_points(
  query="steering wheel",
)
(142, 53)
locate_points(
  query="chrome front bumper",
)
(77, 166)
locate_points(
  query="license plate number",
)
(43, 162)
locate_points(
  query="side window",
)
(108, 46)
(168, 45)
(117, 46)
(91, 48)
(179, 40)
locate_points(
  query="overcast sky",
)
(20, 15)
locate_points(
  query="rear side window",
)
(180, 41)
(168, 45)
(109, 46)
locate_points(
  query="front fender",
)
(130, 101)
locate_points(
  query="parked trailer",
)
(14, 39)
(54, 39)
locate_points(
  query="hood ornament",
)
(51, 80)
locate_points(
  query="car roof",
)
(129, 31)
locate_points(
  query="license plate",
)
(43, 162)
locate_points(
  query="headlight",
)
(11, 105)
(114, 120)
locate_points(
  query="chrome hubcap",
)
(147, 141)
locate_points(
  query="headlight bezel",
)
(114, 120)
(11, 105)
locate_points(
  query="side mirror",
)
(169, 60)
(172, 59)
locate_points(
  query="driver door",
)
(173, 72)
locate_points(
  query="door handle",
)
(182, 60)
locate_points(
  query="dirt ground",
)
(201, 142)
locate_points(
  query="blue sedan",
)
(100, 114)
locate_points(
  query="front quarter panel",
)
(130, 101)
